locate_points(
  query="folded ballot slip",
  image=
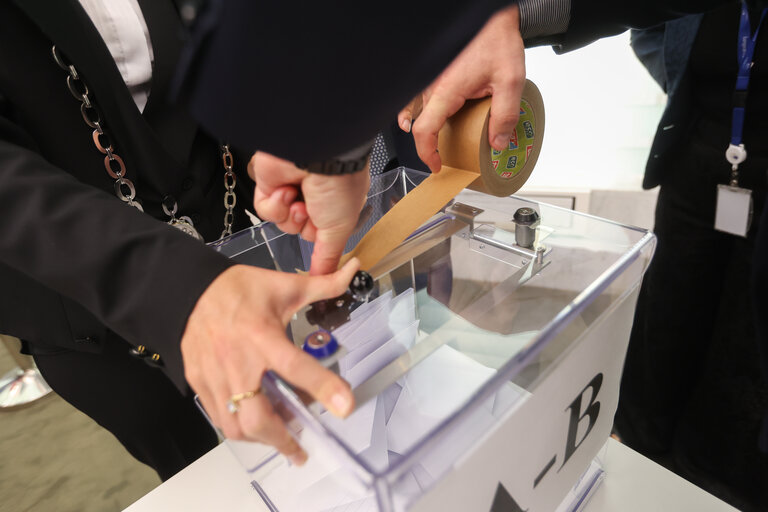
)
(485, 369)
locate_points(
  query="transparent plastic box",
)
(487, 373)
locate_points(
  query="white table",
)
(633, 483)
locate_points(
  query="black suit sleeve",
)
(594, 19)
(137, 275)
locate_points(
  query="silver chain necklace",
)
(115, 167)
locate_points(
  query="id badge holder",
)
(733, 213)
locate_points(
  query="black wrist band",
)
(348, 163)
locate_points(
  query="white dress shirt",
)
(123, 29)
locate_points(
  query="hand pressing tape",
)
(468, 161)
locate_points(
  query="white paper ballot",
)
(433, 389)
(381, 356)
(376, 455)
(364, 334)
(363, 310)
(370, 328)
(356, 429)
(402, 311)
(389, 399)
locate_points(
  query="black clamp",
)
(332, 313)
(350, 162)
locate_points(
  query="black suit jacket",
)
(77, 266)
(665, 50)
(311, 80)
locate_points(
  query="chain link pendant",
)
(136, 205)
(115, 167)
(184, 224)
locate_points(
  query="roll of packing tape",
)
(468, 161)
(463, 144)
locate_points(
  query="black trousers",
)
(692, 391)
(140, 406)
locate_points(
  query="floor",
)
(54, 458)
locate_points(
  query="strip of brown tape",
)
(409, 213)
(468, 161)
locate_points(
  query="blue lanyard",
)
(745, 55)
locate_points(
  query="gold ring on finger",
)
(233, 404)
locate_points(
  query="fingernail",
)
(299, 217)
(341, 404)
(352, 262)
(406, 126)
(500, 142)
(298, 458)
(288, 197)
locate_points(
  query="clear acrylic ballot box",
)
(485, 364)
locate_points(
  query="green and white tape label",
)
(510, 161)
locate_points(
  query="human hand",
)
(327, 215)
(236, 332)
(493, 64)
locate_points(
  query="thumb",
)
(505, 113)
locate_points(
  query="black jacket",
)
(78, 266)
(665, 50)
(321, 80)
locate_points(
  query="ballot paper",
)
(375, 312)
(379, 356)
(403, 414)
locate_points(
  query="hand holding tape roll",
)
(468, 161)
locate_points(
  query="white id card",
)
(734, 210)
